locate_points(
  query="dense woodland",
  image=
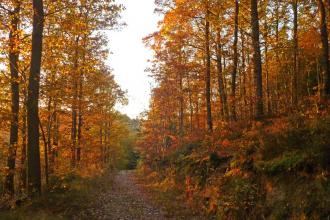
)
(238, 125)
(238, 122)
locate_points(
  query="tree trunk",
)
(33, 151)
(235, 63)
(101, 142)
(221, 87)
(208, 72)
(244, 93)
(257, 59)
(181, 102)
(13, 63)
(295, 55)
(278, 61)
(55, 144)
(74, 131)
(45, 152)
(191, 107)
(80, 117)
(325, 51)
(74, 107)
(50, 121)
(24, 137)
(269, 107)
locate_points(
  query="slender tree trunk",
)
(73, 133)
(235, 63)
(276, 90)
(278, 61)
(80, 118)
(13, 63)
(80, 104)
(49, 126)
(45, 153)
(24, 139)
(50, 122)
(221, 87)
(257, 59)
(325, 51)
(55, 138)
(197, 112)
(191, 107)
(244, 93)
(269, 107)
(101, 141)
(33, 148)
(295, 55)
(208, 72)
(74, 107)
(108, 140)
(181, 100)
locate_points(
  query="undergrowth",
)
(276, 169)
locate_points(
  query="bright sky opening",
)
(129, 57)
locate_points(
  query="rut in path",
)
(123, 200)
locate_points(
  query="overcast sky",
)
(129, 58)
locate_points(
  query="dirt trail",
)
(123, 200)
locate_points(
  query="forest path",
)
(122, 199)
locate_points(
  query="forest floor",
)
(113, 196)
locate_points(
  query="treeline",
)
(57, 94)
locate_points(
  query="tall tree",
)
(325, 50)
(257, 64)
(294, 95)
(33, 148)
(221, 86)
(13, 63)
(235, 63)
(208, 70)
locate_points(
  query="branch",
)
(4, 8)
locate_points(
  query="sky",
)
(129, 57)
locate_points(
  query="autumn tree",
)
(325, 49)
(33, 149)
(56, 55)
(257, 65)
(14, 122)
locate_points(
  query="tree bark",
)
(208, 72)
(269, 106)
(181, 103)
(191, 107)
(80, 118)
(278, 61)
(257, 59)
(55, 138)
(244, 93)
(325, 51)
(235, 63)
(24, 144)
(295, 55)
(45, 153)
(74, 106)
(49, 128)
(13, 63)
(221, 87)
(33, 151)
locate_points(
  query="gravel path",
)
(123, 200)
